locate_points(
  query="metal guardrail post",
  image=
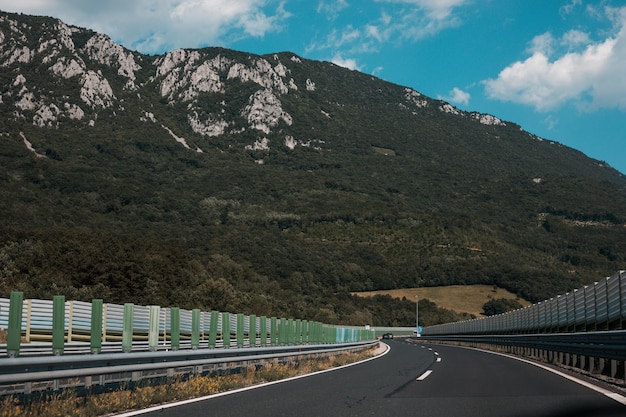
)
(319, 332)
(29, 309)
(298, 335)
(195, 328)
(215, 316)
(104, 322)
(226, 329)
(175, 328)
(153, 328)
(127, 328)
(621, 277)
(311, 332)
(15, 324)
(58, 324)
(252, 330)
(305, 331)
(281, 331)
(70, 321)
(263, 331)
(273, 331)
(240, 330)
(96, 326)
(289, 333)
(292, 331)
(331, 335)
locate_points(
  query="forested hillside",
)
(275, 185)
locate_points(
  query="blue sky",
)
(557, 68)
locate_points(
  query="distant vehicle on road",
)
(388, 336)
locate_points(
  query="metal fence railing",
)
(597, 307)
(59, 323)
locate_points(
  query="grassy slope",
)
(458, 298)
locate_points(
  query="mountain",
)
(275, 184)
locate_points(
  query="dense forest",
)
(307, 194)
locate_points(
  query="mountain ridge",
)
(281, 183)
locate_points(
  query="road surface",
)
(415, 380)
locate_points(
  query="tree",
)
(499, 306)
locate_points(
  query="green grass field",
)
(459, 298)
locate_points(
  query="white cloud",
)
(568, 8)
(418, 19)
(331, 8)
(374, 32)
(155, 26)
(591, 78)
(550, 122)
(575, 38)
(439, 9)
(377, 71)
(459, 96)
(543, 43)
(399, 21)
(345, 62)
(347, 41)
(434, 9)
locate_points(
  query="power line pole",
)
(417, 315)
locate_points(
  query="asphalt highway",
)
(415, 380)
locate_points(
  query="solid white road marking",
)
(612, 395)
(424, 375)
(235, 391)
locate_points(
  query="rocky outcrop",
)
(215, 92)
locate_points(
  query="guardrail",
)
(25, 375)
(606, 345)
(58, 324)
(594, 353)
(596, 307)
(56, 344)
(582, 329)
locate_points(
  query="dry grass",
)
(3, 336)
(459, 298)
(67, 404)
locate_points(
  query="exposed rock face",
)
(103, 50)
(265, 111)
(67, 69)
(184, 77)
(96, 91)
(219, 92)
(415, 98)
(487, 119)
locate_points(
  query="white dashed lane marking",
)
(427, 373)
(424, 375)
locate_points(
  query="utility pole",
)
(417, 315)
